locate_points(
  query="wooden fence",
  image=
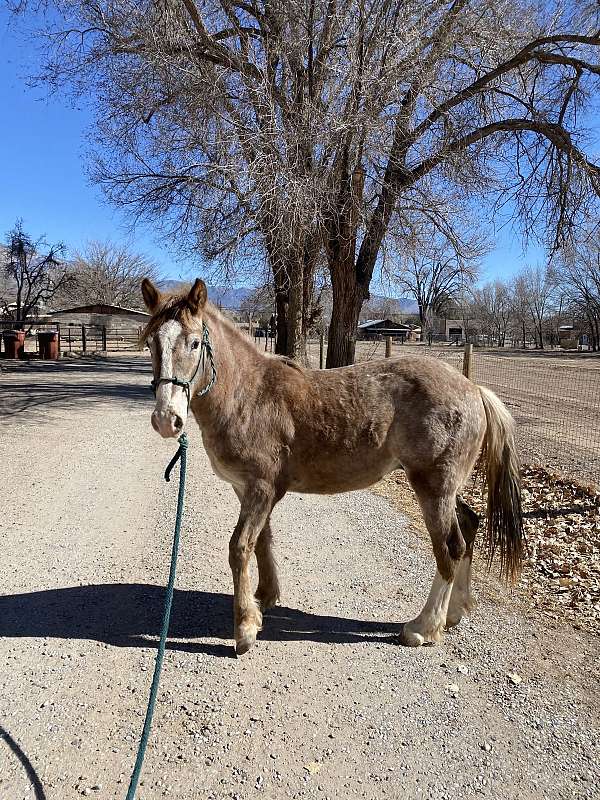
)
(79, 338)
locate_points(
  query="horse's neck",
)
(237, 361)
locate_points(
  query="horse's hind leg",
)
(448, 547)
(461, 600)
(267, 593)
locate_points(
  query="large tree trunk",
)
(348, 297)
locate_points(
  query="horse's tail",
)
(501, 461)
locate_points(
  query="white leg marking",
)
(428, 626)
(461, 602)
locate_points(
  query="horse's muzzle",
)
(168, 423)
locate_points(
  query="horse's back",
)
(353, 425)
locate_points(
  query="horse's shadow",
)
(129, 615)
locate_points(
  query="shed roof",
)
(100, 308)
(384, 323)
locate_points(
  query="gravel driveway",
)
(326, 705)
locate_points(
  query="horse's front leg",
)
(256, 504)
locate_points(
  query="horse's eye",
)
(195, 344)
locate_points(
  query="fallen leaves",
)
(561, 573)
(562, 526)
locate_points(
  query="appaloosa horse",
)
(270, 426)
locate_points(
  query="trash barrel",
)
(48, 345)
(14, 343)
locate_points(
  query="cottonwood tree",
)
(33, 273)
(105, 272)
(295, 129)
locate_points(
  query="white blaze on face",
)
(170, 412)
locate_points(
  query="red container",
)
(48, 345)
(14, 344)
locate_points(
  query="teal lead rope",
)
(180, 454)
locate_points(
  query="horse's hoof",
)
(411, 638)
(245, 641)
(243, 646)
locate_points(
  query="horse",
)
(270, 426)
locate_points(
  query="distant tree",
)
(258, 306)
(436, 275)
(579, 282)
(32, 273)
(381, 308)
(493, 305)
(105, 272)
(536, 293)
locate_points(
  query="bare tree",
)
(259, 306)
(535, 288)
(579, 281)
(287, 129)
(32, 273)
(493, 305)
(105, 272)
(436, 276)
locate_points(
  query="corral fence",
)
(554, 398)
(76, 338)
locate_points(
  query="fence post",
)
(69, 329)
(104, 337)
(83, 339)
(468, 361)
(388, 346)
(321, 350)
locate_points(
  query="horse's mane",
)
(172, 306)
(289, 362)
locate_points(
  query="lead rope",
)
(180, 454)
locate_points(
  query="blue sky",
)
(42, 167)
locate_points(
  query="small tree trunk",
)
(281, 332)
(296, 339)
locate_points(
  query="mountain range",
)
(233, 297)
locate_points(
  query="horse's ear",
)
(197, 296)
(150, 294)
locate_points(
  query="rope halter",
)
(205, 350)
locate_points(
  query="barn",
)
(114, 318)
(377, 328)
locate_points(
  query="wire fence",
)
(554, 398)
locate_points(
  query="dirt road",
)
(325, 705)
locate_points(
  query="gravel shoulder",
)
(327, 704)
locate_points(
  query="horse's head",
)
(175, 336)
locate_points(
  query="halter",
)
(205, 349)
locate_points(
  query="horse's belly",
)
(340, 475)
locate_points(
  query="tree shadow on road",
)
(46, 386)
(128, 615)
